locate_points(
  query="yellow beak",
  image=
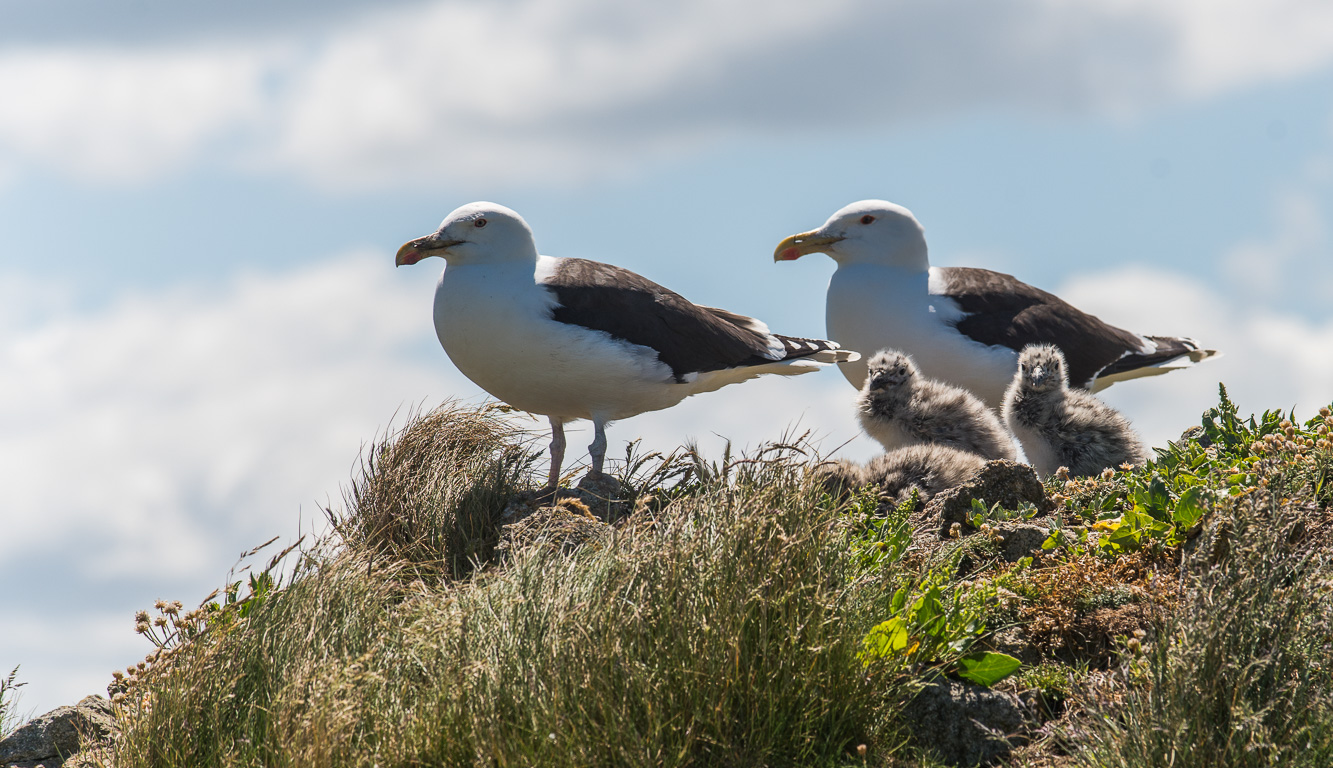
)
(797, 246)
(416, 250)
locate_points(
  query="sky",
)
(201, 326)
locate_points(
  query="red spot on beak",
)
(407, 255)
(790, 254)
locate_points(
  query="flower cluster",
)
(169, 631)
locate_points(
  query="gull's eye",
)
(866, 219)
(479, 223)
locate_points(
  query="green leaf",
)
(899, 600)
(1189, 508)
(886, 639)
(1154, 498)
(928, 606)
(987, 668)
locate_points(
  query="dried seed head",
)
(955, 531)
(1108, 473)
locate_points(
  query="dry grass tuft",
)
(432, 493)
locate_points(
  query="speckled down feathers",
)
(930, 469)
(1062, 427)
(900, 407)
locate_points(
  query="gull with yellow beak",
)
(575, 339)
(961, 325)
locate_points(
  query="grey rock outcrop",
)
(965, 724)
(1021, 540)
(51, 739)
(1002, 482)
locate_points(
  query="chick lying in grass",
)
(927, 469)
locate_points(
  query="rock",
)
(1005, 482)
(604, 497)
(1195, 434)
(1021, 540)
(59, 734)
(565, 526)
(965, 724)
(1013, 641)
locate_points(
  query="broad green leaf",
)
(987, 668)
(1189, 508)
(886, 639)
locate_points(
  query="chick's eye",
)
(866, 219)
(479, 223)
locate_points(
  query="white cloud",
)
(1293, 263)
(1272, 358)
(165, 425)
(147, 443)
(545, 90)
(122, 115)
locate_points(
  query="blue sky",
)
(200, 325)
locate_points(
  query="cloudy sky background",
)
(200, 325)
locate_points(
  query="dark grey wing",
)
(1003, 311)
(688, 338)
(1168, 348)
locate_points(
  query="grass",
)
(723, 625)
(432, 493)
(10, 719)
(1243, 675)
(732, 619)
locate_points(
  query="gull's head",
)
(1041, 368)
(476, 232)
(869, 231)
(889, 369)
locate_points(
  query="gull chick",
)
(1063, 427)
(900, 407)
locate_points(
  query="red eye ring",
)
(479, 223)
(866, 219)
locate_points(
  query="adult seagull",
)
(961, 325)
(575, 339)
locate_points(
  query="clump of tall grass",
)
(723, 627)
(1244, 674)
(9, 717)
(433, 492)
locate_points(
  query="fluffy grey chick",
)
(1063, 427)
(928, 468)
(900, 407)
